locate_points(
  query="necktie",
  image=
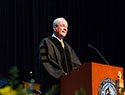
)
(62, 43)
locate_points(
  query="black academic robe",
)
(55, 61)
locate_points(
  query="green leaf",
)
(76, 92)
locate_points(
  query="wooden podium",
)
(88, 76)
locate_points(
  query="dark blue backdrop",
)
(23, 23)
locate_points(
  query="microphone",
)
(99, 53)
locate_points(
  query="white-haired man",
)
(57, 58)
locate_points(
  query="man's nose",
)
(65, 28)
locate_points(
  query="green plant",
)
(13, 88)
(81, 91)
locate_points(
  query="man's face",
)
(61, 28)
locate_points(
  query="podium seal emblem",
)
(107, 87)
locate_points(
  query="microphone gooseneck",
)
(99, 53)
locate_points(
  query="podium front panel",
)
(100, 72)
(89, 77)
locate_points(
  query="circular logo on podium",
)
(107, 87)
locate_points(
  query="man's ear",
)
(54, 28)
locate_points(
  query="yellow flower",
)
(7, 90)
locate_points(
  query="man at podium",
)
(57, 58)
